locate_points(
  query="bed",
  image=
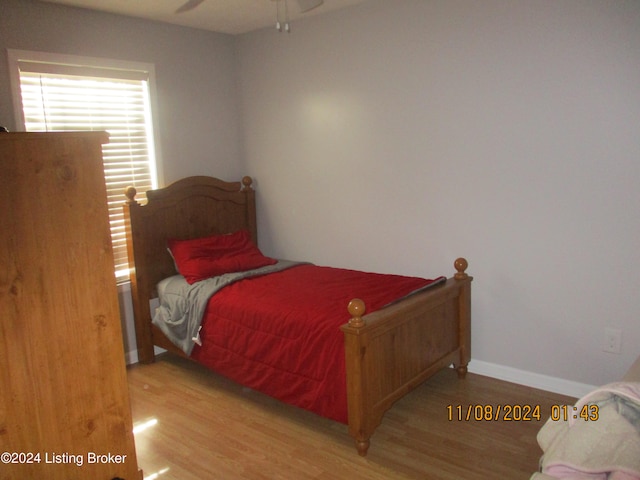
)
(383, 354)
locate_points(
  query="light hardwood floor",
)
(210, 428)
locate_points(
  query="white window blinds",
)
(61, 97)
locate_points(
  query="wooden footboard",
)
(391, 351)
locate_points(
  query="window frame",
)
(90, 66)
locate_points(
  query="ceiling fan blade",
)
(307, 5)
(190, 5)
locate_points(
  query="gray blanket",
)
(607, 446)
(182, 305)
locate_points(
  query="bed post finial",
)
(246, 182)
(356, 309)
(130, 193)
(461, 265)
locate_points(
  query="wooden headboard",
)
(189, 208)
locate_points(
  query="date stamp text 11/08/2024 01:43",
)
(520, 413)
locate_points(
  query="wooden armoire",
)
(64, 402)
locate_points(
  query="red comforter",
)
(279, 333)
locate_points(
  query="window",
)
(61, 92)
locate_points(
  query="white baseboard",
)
(508, 374)
(132, 357)
(530, 379)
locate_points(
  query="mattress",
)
(279, 333)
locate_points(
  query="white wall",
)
(197, 115)
(396, 136)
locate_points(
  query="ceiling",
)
(224, 16)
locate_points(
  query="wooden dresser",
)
(64, 401)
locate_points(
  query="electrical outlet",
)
(612, 340)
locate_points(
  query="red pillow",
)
(206, 257)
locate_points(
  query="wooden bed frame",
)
(388, 352)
